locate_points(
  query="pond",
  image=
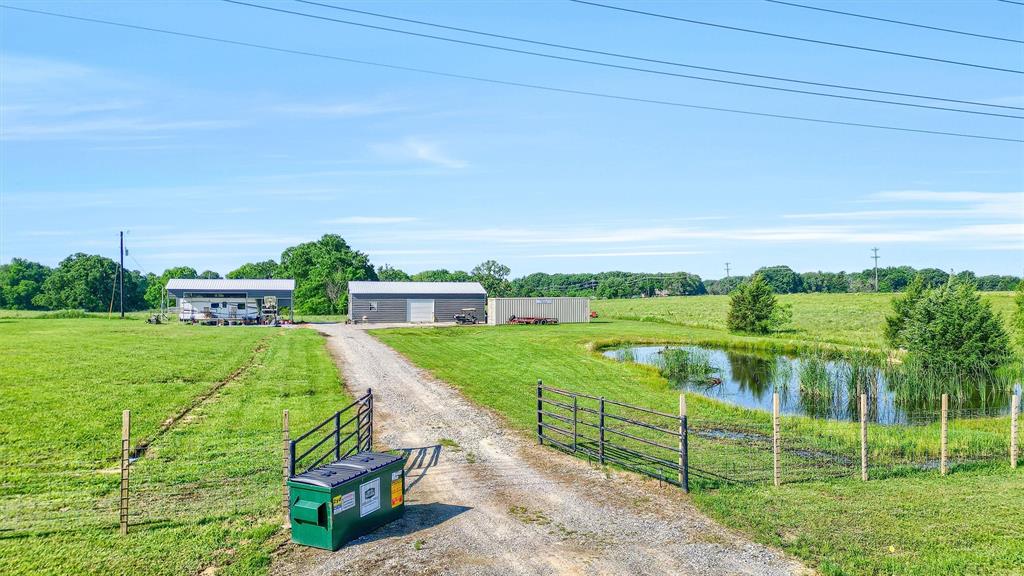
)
(748, 379)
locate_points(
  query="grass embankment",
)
(977, 531)
(207, 491)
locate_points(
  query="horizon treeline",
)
(323, 268)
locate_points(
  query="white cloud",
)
(370, 220)
(417, 149)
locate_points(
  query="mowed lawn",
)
(967, 523)
(843, 319)
(207, 492)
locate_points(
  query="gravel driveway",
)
(483, 500)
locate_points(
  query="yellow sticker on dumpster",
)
(396, 492)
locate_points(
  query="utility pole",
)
(875, 257)
(121, 288)
(727, 270)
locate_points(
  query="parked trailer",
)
(531, 320)
(564, 310)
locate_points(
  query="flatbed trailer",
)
(531, 320)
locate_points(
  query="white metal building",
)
(227, 300)
(565, 309)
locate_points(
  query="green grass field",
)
(966, 523)
(838, 319)
(206, 493)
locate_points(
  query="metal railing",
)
(352, 432)
(639, 439)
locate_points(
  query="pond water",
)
(748, 379)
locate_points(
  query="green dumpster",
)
(344, 500)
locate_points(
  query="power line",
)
(891, 21)
(1012, 2)
(610, 65)
(499, 82)
(799, 38)
(658, 61)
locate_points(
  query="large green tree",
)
(322, 271)
(903, 307)
(493, 276)
(155, 289)
(753, 308)
(782, 279)
(257, 270)
(441, 275)
(952, 326)
(388, 274)
(20, 282)
(89, 282)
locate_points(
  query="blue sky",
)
(213, 155)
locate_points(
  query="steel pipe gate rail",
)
(352, 427)
(639, 439)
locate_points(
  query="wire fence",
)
(709, 449)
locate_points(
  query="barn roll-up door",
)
(421, 311)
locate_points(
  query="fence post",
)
(337, 434)
(600, 429)
(1014, 411)
(776, 448)
(126, 428)
(540, 413)
(684, 457)
(944, 437)
(575, 406)
(285, 461)
(864, 437)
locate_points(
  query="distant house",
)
(232, 301)
(377, 302)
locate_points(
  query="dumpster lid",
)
(329, 475)
(335, 473)
(369, 461)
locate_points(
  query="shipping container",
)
(564, 309)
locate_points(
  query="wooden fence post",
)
(126, 429)
(600, 429)
(944, 437)
(864, 437)
(540, 413)
(285, 462)
(776, 445)
(684, 446)
(575, 413)
(1014, 412)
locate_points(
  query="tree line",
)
(784, 280)
(322, 269)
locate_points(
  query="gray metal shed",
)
(376, 302)
(566, 309)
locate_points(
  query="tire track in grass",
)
(143, 445)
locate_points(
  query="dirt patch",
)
(493, 503)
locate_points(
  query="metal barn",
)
(231, 301)
(376, 302)
(565, 309)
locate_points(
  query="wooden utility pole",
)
(875, 258)
(864, 437)
(776, 441)
(126, 429)
(121, 288)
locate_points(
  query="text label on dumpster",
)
(343, 502)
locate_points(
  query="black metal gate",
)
(646, 441)
(352, 432)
